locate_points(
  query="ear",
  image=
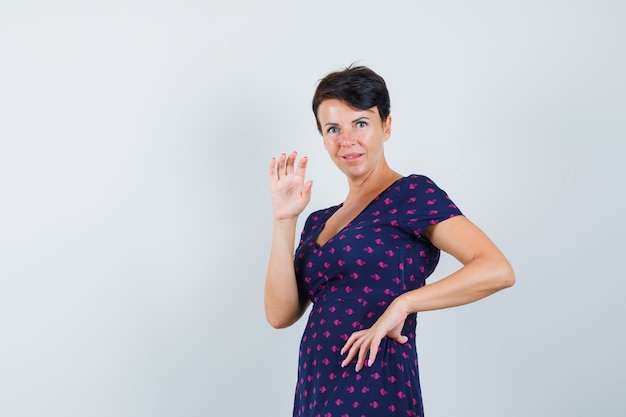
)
(387, 128)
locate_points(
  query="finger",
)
(373, 351)
(351, 348)
(289, 166)
(272, 169)
(306, 191)
(362, 354)
(353, 338)
(302, 167)
(280, 170)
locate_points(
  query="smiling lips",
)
(351, 156)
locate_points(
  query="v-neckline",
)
(337, 207)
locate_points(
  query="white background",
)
(135, 219)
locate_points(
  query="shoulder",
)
(420, 193)
(416, 184)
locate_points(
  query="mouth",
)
(351, 156)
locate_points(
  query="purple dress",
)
(351, 280)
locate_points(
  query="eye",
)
(332, 130)
(361, 124)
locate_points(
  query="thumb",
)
(401, 339)
(306, 190)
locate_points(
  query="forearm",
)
(479, 278)
(283, 304)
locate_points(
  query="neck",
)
(370, 185)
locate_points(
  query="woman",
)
(363, 263)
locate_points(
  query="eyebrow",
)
(358, 119)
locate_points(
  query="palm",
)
(290, 193)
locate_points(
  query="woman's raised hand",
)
(290, 193)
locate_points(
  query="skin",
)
(354, 140)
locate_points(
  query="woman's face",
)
(353, 138)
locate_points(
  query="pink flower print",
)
(431, 202)
(347, 248)
(367, 290)
(401, 395)
(360, 262)
(368, 250)
(433, 212)
(388, 201)
(341, 262)
(430, 190)
(383, 391)
(376, 277)
(359, 236)
(374, 404)
(382, 265)
(337, 322)
(389, 252)
(379, 242)
(350, 389)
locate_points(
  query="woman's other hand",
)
(365, 343)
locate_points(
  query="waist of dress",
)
(381, 298)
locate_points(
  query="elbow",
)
(279, 320)
(506, 275)
(277, 323)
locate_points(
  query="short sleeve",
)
(423, 203)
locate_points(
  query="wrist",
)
(402, 304)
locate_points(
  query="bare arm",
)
(485, 270)
(284, 304)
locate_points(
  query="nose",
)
(347, 139)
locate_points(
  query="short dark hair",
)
(359, 87)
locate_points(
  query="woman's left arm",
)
(485, 270)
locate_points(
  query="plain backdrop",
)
(135, 217)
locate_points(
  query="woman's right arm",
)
(284, 303)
